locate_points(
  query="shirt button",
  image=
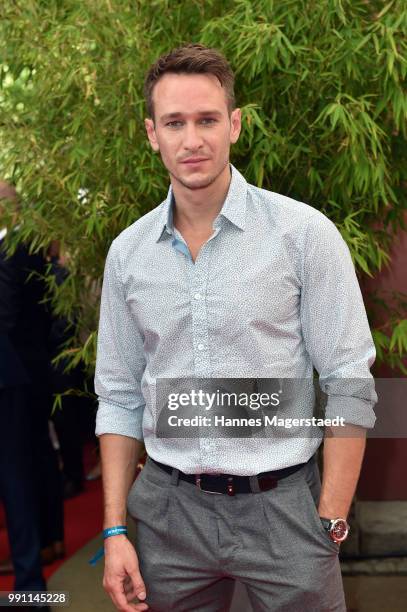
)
(200, 347)
(197, 296)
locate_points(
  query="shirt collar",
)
(233, 209)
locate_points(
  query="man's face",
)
(192, 128)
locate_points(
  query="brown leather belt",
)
(229, 484)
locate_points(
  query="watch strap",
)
(326, 522)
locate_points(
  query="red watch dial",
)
(339, 530)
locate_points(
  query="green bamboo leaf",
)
(399, 338)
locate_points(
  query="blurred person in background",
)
(30, 480)
(67, 418)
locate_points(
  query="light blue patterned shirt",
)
(272, 294)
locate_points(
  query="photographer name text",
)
(265, 421)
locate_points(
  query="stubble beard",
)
(204, 183)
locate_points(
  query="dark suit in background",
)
(30, 481)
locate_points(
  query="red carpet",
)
(83, 521)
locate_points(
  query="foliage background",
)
(321, 84)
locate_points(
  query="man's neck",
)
(196, 209)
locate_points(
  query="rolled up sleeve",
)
(120, 360)
(335, 325)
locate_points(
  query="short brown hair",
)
(191, 59)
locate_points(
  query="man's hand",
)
(122, 580)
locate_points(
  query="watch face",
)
(339, 530)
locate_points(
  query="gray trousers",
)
(192, 545)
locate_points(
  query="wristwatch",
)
(337, 528)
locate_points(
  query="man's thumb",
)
(138, 585)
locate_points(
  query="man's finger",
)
(120, 601)
(138, 585)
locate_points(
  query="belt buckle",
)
(198, 484)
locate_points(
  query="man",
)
(16, 469)
(29, 474)
(225, 280)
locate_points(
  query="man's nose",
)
(192, 139)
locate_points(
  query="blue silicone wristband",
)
(112, 531)
(107, 533)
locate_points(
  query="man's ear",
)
(149, 124)
(235, 125)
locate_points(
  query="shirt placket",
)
(197, 278)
